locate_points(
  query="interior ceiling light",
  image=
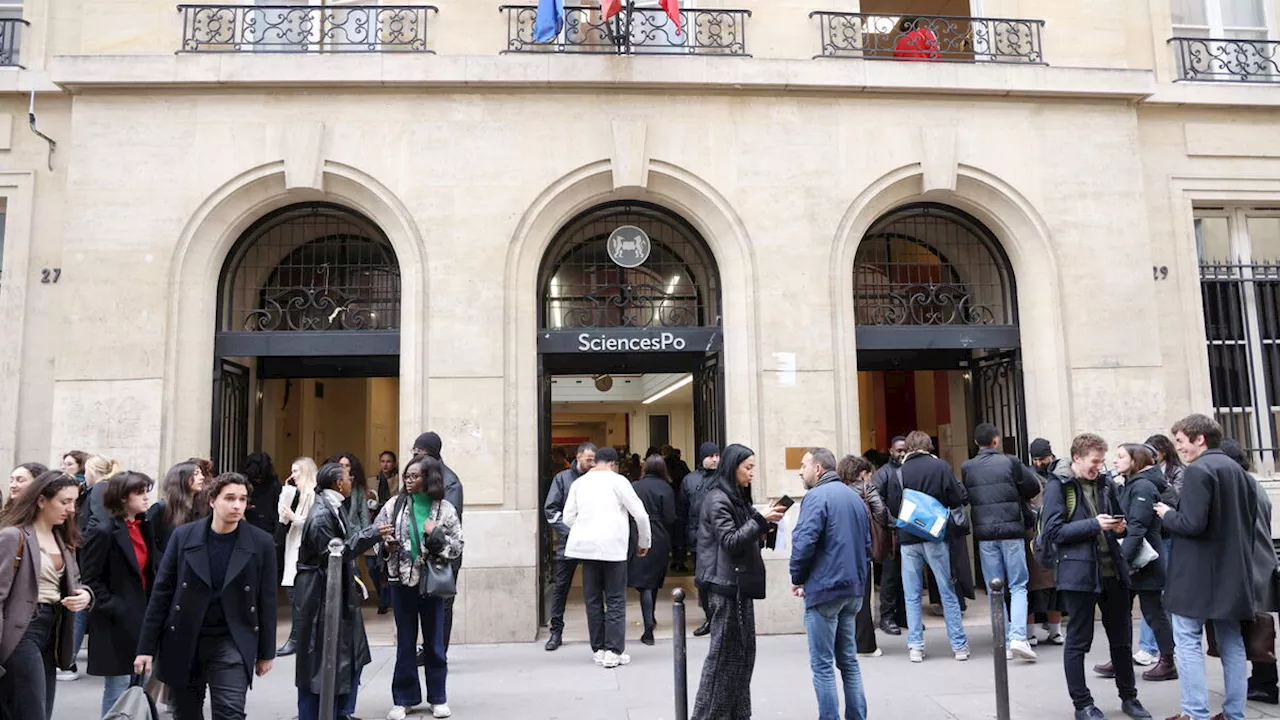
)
(668, 389)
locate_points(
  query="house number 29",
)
(1160, 272)
(50, 275)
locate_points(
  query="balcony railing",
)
(634, 31)
(1255, 61)
(930, 37)
(293, 28)
(11, 30)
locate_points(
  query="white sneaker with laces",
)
(876, 653)
(397, 713)
(441, 711)
(1144, 658)
(613, 660)
(962, 654)
(67, 675)
(917, 655)
(598, 657)
(1022, 649)
(1056, 639)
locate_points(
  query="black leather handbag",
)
(437, 579)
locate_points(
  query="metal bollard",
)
(999, 633)
(332, 618)
(681, 652)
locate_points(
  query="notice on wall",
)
(786, 362)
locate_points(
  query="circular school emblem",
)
(629, 246)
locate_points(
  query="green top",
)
(421, 513)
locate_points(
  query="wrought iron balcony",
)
(11, 30)
(294, 28)
(930, 37)
(633, 31)
(1254, 61)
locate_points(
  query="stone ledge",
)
(81, 73)
(1222, 94)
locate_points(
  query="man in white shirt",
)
(596, 513)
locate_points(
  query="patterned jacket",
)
(445, 543)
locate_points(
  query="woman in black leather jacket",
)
(731, 571)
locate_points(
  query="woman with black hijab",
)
(731, 570)
(648, 573)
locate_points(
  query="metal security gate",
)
(708, 402)
(231, 416)
(997, 398)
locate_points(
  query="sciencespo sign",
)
(629, 340)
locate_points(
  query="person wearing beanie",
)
(429, 443)
(553, 509)
(1042, 590)
(689, 499)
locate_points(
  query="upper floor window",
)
(11, 29)
(1228, 19)
(1225, 40)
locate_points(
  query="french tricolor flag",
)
(609, 8)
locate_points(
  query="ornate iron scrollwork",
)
(292, 28)
(930, 305)
(631, 306)
(924, 37)
(1223, 59)
(634, 31)
(309, 309)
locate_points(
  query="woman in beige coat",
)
(39, 589)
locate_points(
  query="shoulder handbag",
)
(959, 522)
(437, 574)
(881, 545)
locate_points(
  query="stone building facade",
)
(1090, 165)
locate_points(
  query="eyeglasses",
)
(413, 476)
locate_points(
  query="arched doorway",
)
(629, 341)
(308, 339)
(937, 330)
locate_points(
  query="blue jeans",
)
(938, 557)
(82, 627)
(833, 638)
(1007, 560)
(113, 686)
(1190, 657)
(1147, 639)
(411, 612)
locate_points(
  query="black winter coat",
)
(175, 613)
(729, 541)
(553, 507)
(1073, 540)
(109, 566)
(264, 499)
(323, 523)
(693, 489)
(999, 486)
(1210, 575)
(930, 475)
(1138, 497)
(649, 572)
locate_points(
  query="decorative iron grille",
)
(998, 397)
(582, 287)
(931, 265)
(1255, 61)
(305, 28)
(633, 31)
(1241, 301)
(929, 37)
(11, 30)
(311, 267)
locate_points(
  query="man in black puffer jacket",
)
(999, 486)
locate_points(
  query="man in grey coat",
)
(553, 509)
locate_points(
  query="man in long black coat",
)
(325, 522)
(1210, 578)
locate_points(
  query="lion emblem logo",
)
(629, 246)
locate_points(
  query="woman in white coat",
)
(296, 500)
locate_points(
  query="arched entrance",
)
(308, 339)
(937, 330)
(629, 340)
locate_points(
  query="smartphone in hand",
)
(786, 502)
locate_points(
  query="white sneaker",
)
(877, 653)
(441, 711)
(917, 655)
(613, 660)
(598, 657)
(1008, 654)
(1022, 649)
(67, 675)
(962, 654)
(1032, 640)
(397, 713)
(1144, 658)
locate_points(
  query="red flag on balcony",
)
(673, 11)
(609, 8)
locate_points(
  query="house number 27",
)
(50, 275)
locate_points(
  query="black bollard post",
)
(999, 634)
(681, 652)
(332, 615)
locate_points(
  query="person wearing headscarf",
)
(731, 572)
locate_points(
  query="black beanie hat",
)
(430, 443)
(706, 450)
(1040, 448)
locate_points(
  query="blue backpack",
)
(923, 515)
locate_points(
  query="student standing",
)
(211, 620)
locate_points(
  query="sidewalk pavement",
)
(499, 682)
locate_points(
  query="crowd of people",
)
(181, 595)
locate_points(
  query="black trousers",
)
(565, 568)
(891, 605)
(1116, 605)
(222, 672)
(864, 626)
(28, 684)
(1264, 676)
(1153, 612)
(604, 589)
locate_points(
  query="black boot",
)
(890, 627)
(704, 629)
(1134, 709)
(1165, 669)
(647, 637)
(555, 641)
(1264, 695)
(289, 647)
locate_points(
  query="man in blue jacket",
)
(831, 549)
